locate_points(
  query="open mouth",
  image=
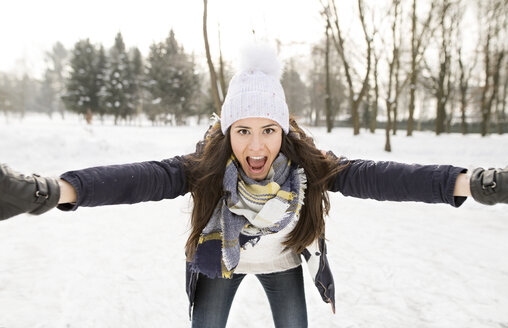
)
(256, 163)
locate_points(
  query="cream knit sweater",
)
(268, 255)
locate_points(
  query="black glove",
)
(490, 186)
(26, 194)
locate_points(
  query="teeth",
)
(257, 157)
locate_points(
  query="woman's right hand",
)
(26, 193)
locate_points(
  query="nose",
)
(256, 143)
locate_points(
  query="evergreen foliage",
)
(171, 82)
(83, 89)
(118, 92)
(137, 72)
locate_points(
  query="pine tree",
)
(137, 70)
(154, 84)
(171, 82)
(100, 75)
(118, 86)
(83, 88)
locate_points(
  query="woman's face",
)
(256, 143)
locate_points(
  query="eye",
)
(268, 131)
(242, 132)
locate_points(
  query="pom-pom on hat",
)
(255, 90)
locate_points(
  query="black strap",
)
(42, 191)
(489, 179)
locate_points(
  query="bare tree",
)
(316, 76)
(443, 81)
(393, 64)
(328, 97)
(419, 40)
(213, 76)
(501, 102)
(375, 104)
(397, 45)
(465, 75)
(222, 80)
(493, 50)
(355, 98)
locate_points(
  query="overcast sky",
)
(30, 27)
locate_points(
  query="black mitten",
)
(490, 186)
(26, 194)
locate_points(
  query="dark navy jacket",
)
(157, 180)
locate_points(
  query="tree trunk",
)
(354, 98)
(328, 97)
(390, 99)
(373, 118)
(443, 85)
(221, 73)
(463, 86)
(213, 76)
(356, 118)
(417, 40)
(88, 116)
(502, 100)
(388, 146)
(486, 100)
(397, 91)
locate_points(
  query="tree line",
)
(408, 65)
(424, 65)
(119, 82)
(438, 53)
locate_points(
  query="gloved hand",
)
(26, 194)
(490, 186)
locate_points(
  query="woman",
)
(260, 190)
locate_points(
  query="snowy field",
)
(395, 264)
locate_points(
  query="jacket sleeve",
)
(127, 183)
(398, 182)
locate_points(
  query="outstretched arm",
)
(96, 186)
(423, 183)
(399, 182)
(123, 184)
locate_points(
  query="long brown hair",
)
(205, 172)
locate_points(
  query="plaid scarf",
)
(248, 210)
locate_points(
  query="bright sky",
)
(28, 28)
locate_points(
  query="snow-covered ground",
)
(395, 264)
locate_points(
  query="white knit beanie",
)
(255, 90)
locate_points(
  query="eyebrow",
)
(248, 127)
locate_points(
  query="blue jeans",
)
(284, 290)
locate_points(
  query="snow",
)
(394, 264)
